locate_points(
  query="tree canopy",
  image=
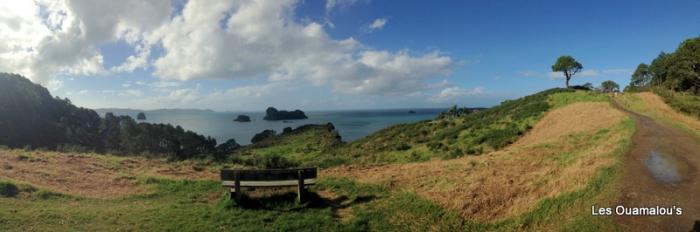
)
(568, 65)
(31, 117)
(678, 71)
(609, 86)
(641, 76)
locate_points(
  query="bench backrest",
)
(268, 174)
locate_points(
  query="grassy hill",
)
(309, 145)
(564, 159)
(452, 137)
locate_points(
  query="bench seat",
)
(300, 177)
(277, 183)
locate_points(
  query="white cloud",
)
(259, 39)
(454, 93)
(132, 93)
(617, 71)
(42, 39)
(54, 85)
(333, 4)
(163, 85)
(589, 73)
(377, 24)
(252, 39)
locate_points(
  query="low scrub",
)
(8, 189)
(683, 102)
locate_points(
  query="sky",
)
(246, 55)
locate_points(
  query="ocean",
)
(351, 124)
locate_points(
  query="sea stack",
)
(242, 118)
(141, 116)
(273, 114)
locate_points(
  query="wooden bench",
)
(300, 177)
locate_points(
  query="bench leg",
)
(237, 188)
(300, 188)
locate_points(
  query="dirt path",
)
(661, 169)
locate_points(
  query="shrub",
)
(684, 102)
(8, 189)
(271, 161)
(403, 146)
(454, 154)
(263, 135)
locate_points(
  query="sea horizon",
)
(351, 124)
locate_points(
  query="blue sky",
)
(335, 54)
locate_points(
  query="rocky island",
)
(242, 118)
(141, 116)
(273, 114)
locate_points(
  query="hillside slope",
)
(569, 158)
(452, 137)
(546, 180)
(307, 146)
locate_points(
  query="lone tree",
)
(568, 65)
(609, 86)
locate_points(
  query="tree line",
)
(678, 71)
(31, 118)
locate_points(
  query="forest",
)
(678, 71)
(32, 118)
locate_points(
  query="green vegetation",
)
(471, 134)
(683, 102)
(8, 189)
(336, 204)
(647, 104)
(609, 86)
(33, 118)
(309, 145)
(678, 71)
(569, 66)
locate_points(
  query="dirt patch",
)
(511, 181)
(88, 175)
(654, 145)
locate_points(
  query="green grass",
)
(174, 206)
(683, 121)
(453, 137)
(189, 205)
(309, 145)
(687, 103)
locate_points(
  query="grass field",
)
(570, 161)
(566, 158)
(454, 137)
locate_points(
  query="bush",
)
(683, 102)
(403, 146)
(271, 161)
(8, 189)
(263, 135)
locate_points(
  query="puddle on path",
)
(662, 169)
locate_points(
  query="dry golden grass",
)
(652, 105)
(568, 120)
(559, 155)
(89, 175)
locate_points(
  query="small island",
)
(411, 112)
(242, 118)
(141, 116)
(273, 114)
